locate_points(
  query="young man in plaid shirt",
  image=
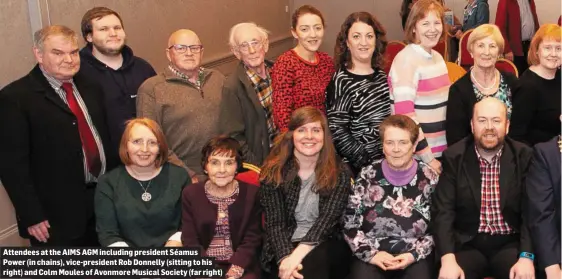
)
(477, 211)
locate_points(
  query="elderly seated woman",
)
(388, 213)
(485, 44)
(138, 204)
(222, 215)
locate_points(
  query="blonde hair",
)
(42, 34)
(484, 31)
(420, 10)
(547, 31)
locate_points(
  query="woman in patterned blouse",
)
(300, 76)
(357, 98)
(485, 44)
(304, 191)
(388, 213)
(221, 215)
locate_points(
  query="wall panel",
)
(149, 23)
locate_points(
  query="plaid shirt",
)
(264, 90)
(198, 83)
(491, 219)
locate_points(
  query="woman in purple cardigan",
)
(222, 216)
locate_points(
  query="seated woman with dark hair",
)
(138, 204)
(222, 216)
(388, 213)
(304, 191)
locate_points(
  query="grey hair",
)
(42, 34)
(262, 31)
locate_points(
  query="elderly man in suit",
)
(477, 211)
(53, 146)
(543, 192)
(246, 107)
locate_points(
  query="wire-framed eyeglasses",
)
(255, 44)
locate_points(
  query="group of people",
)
(363, 174)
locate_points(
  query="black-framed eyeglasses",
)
(183, 48)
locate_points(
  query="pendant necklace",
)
(146, 196)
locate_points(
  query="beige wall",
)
(148, 23)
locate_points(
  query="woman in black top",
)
(139, 203)
(357, 97)
(536, 105)
(485, 44)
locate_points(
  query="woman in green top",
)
(139, 204)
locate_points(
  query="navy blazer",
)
(543, 192)
(199, 218)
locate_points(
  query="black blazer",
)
(455, 210)
(199, 218)
(461, 103)
(243, 116)
(41, 161)
(280, 203)
(543, 191)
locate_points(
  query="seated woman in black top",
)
(304, 191)
(138, 204)
(536, 104)
(221, 215)
(485, 44)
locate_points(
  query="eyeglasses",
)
(183, 48)
(245, 46)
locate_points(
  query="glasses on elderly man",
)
(183, 48)
(245, 46)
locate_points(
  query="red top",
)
(298, 83)
(510, 26)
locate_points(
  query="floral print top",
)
(503, 94)
(391, 218)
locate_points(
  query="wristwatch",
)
(527, 255)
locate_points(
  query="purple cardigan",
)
(199, 217)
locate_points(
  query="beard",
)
(109, 51)
(490, 144)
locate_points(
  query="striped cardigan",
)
(419, 87)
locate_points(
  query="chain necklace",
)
(146, 196)
(480, 85)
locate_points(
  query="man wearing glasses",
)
(246, 108)
(184, 100)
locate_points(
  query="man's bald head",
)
(491, 107)
(185, 52)
(182, 36)
(489, 123)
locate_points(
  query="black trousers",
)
(423, 269)
(488, 255)
(329, 260)
(521, 61)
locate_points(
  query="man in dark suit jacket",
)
(477, 210)
(52, 146)
(246, 106)
(543, 191)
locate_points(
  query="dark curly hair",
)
(342, 56)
